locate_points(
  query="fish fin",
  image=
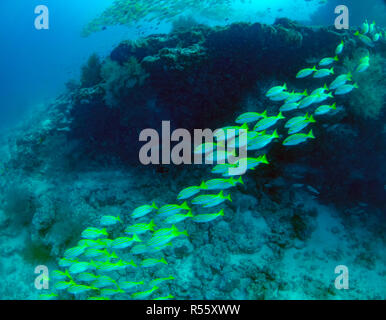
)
(203, 185)
(185, 232)
(152, 225)
(185, 206)
(264, 159)
(136, 238)
(244, 126)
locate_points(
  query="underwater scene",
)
(193, 150)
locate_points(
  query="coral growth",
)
(368, 103)
(91, 72)
(121, 79)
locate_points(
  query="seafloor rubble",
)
(315, 206)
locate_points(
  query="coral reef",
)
(368, 104)
(119, 80)
(91, 72)
(75, 166)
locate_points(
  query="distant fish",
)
(94, 233)
(275, 90)
(250, 117)
(298, 138)
(325, 109)
(365, 27)
(313, 190)
(346, 89)
(109, 220)
(211, 200)
(327, 61)
(268, 122)
(321, 73)
(340, 80)
(365, 39)
(339, 48)
(305, 72)
(143, 210)
(201, 218)
(191, 191)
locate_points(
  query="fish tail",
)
(275, 134)
(136, 238)
(264, 159)
(152, 225)
(163, 261)
(185, 206)
(311, 135)
(203, 185)
(221, 213)
(244, 126)
(333, 106)
(154, 205)
(228, 197)
(240, 180)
